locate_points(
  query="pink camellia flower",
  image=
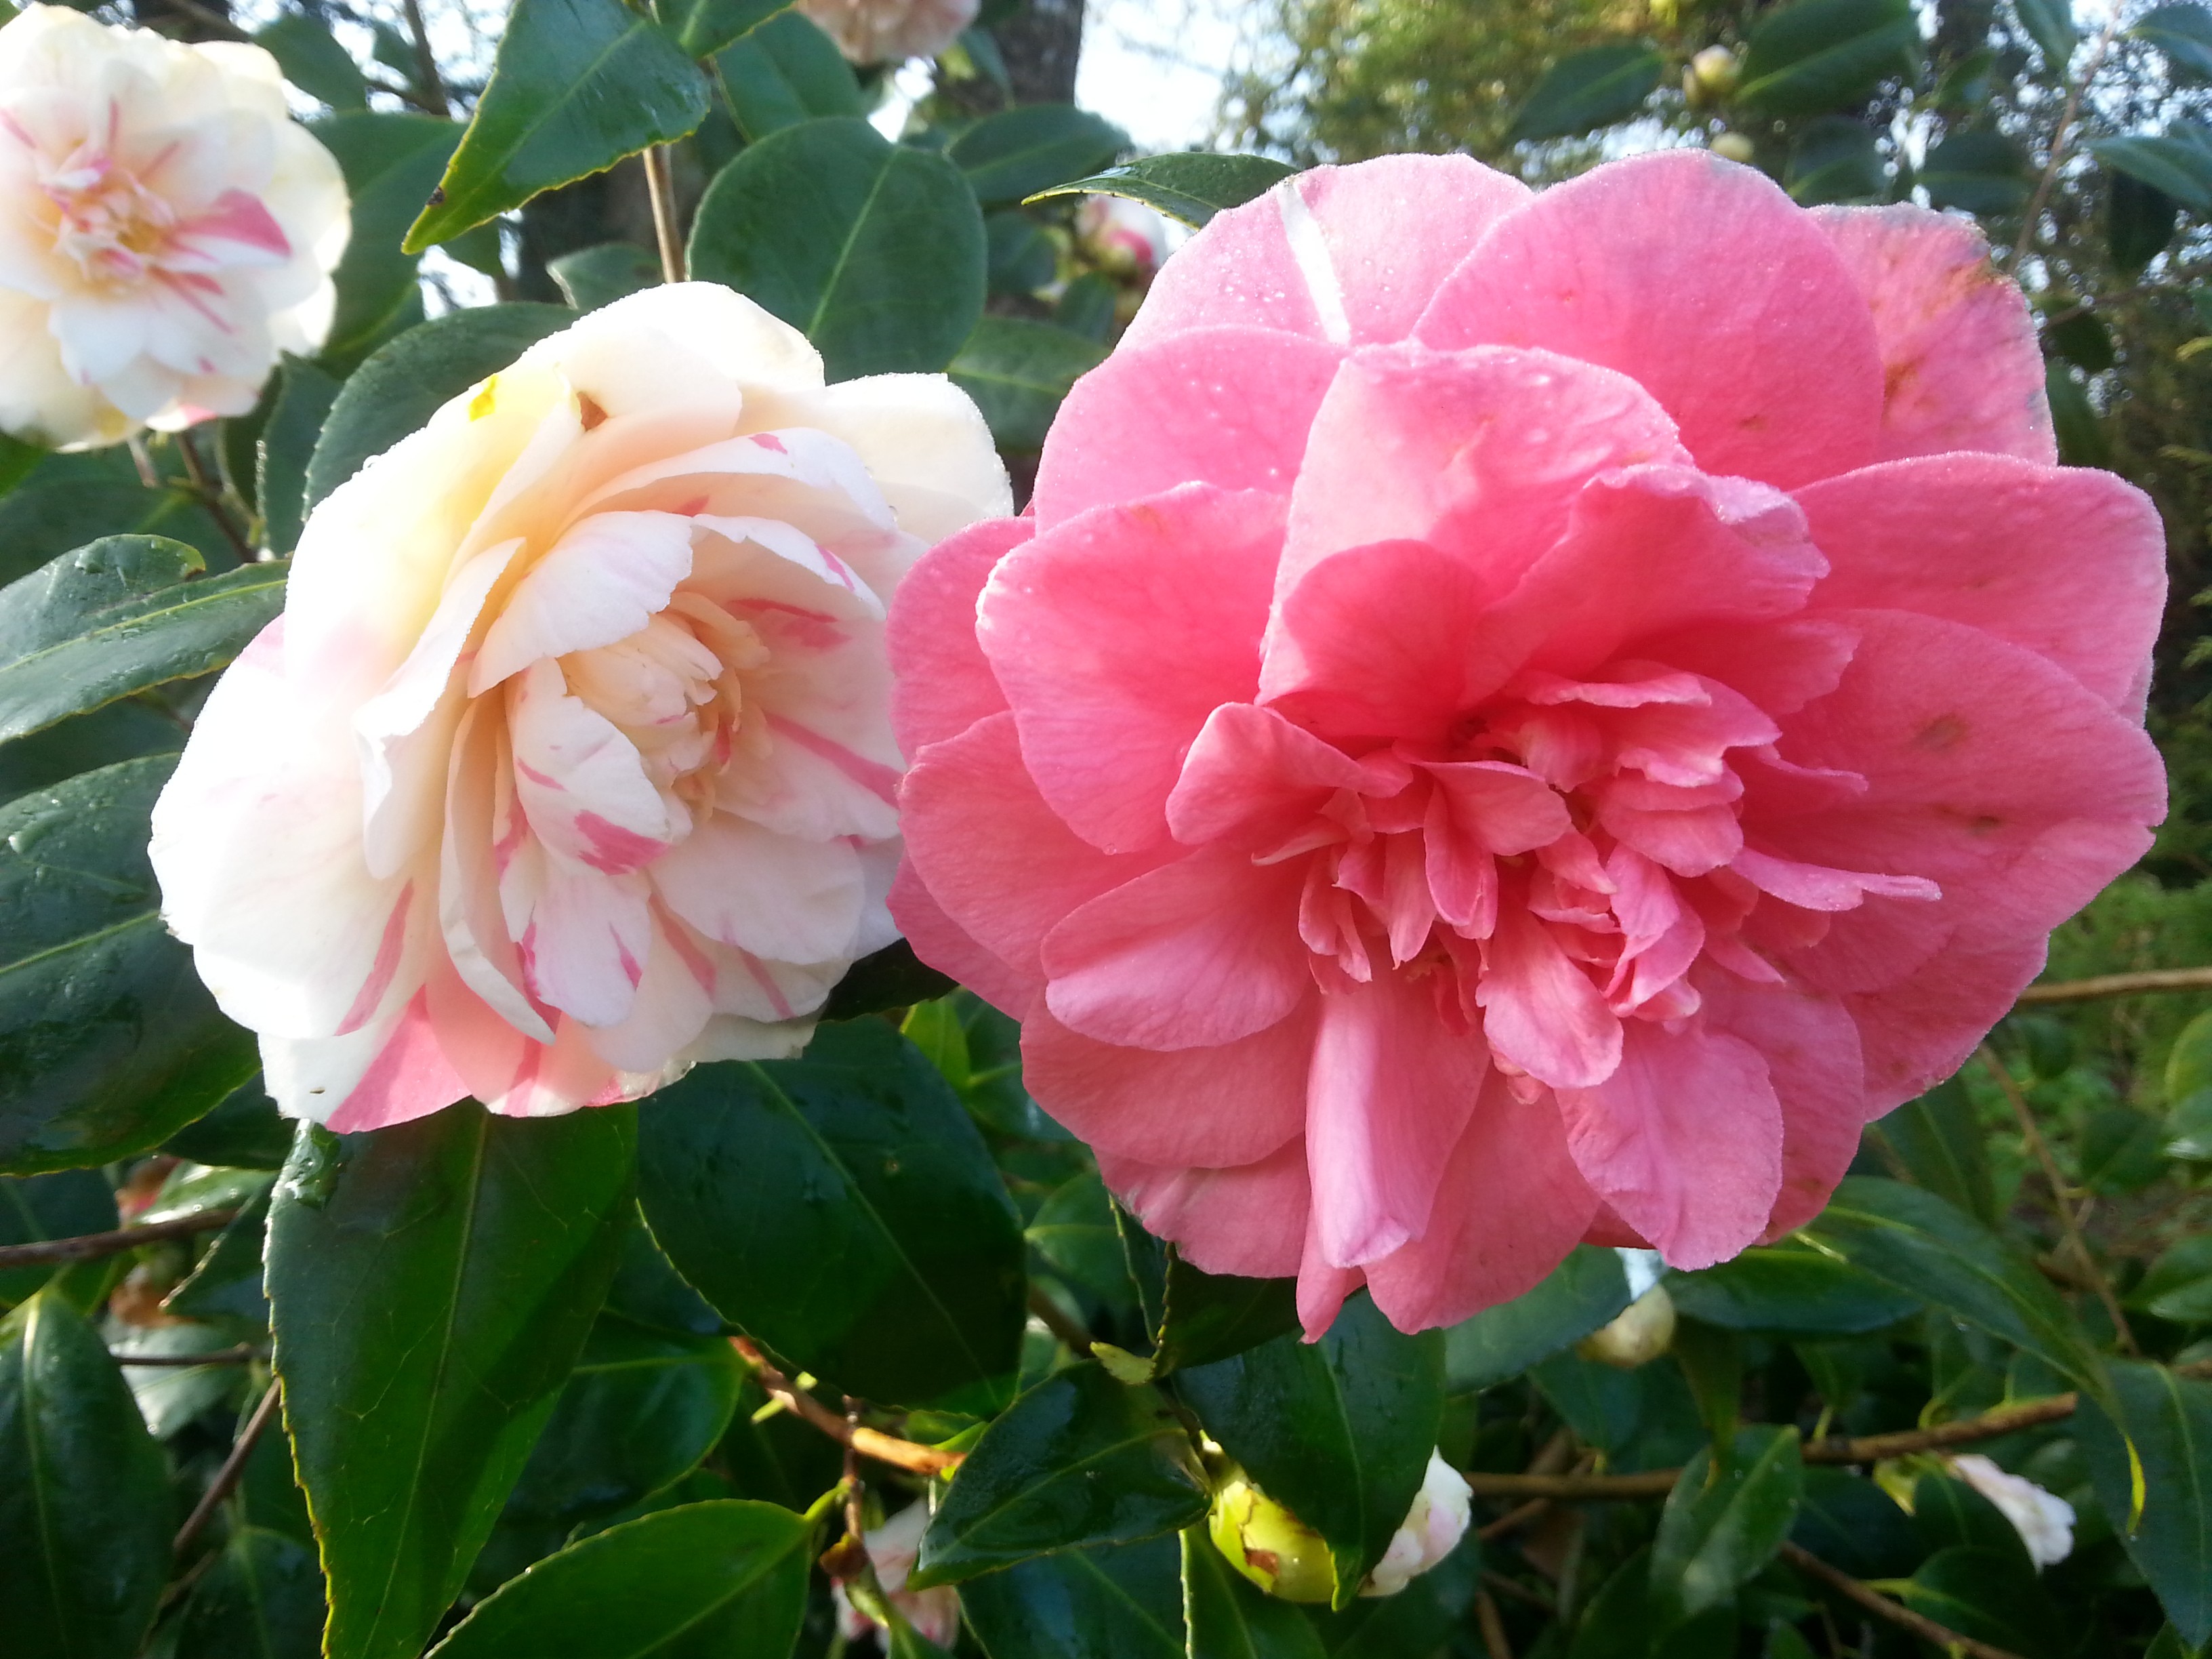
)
(1519, 719)
(570, 761)
(890, 31)
(892, 1550)
(1124, 236)
(167, 229)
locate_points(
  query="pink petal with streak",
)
(944, 683)
(410, 1078)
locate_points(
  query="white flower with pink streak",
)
(570, 761)
(165, 229)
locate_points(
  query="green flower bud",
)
(1644, 1330)
(1733, 147)
(1268, 1543)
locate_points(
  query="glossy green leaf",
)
(2178, 1286)
(843, 1209)
(593, 276)
(2177, 161)
(893, 977)
(117, 616)
(171, 1397)
(1988, 1595)
(1835, 159)
(1593, 88)
(1724, 1521)
(1018, 371)
(1949, 1514)
(108, 1041)
(391, 163)
(2169, 1419)
(1086, 308)
(2050, 24)
(43, 520)
(2183, 33)
(243, 1132)
(1018, 152)
(2139, 223)
(2081, 437)
(1190, 186)
(401, 384)
(1073, 1231)
(2122, 1150)
(69, 1205)
(1123, 1603)
(1195, 1318)
(784, 72)
(1079, 1461)
(225, 1289)
(1821, 55)
(726, 1577)
(873, 250)
(704, 28)
(1782, 1291)
(262, 1599)
(2189, 1090)
(1583, 1293)
(1418, 1619)
(315, 62)
(578, 85)
(1915, 1241)
(84, 1494)
(1021, 255)
(1617, 1624)
(432, 1285)
(286, 445)
(1231, 1618)
(1339, 1432)
(1854, 1525)
(1983, 173)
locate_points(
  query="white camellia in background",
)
(165, 229)
(570, 760)
(890, 31)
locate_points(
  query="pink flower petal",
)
(774, 895)
(1541, 1012)
(1248, 1221)
(944, 683)
(947, 946)
(409, 1079)
(1253, 777)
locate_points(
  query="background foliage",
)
(577, 1387)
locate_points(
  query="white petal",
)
(772, 895)
(607, 577)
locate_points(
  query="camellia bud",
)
(1644, 1330)
(1733, 147)
(2044, 1520)
(1430, 1531)
(1284, 1557)
(1714, 72)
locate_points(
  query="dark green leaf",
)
(286, 443)
(170, 1397)
(1073, 1231)
(1190, 186)
(1079, 1461)
(1852, 1524)
(1983, 173)
(1339, 1432)
(704, 28)
(873, 250)
(2139, 222)
(1123, 1603)
(713, 1578)
(262, 1599)
(2122, 1150)
(1232, 1617)
(1835, 159)
(1593, 88)
(593, 276)
(1087, 307)
(2169, 1419)
(108, 1041)
(432, 1284)
(2183, 33)
(391, 162)
(784, 72)
(1018, 371)
(245, 1131)
(2177, 161)
(2178, 1285)
(1915, 1241)
(482, 249)
(2081, 438)
(1194, 1318)
(315, 62)
(1584, 1292)
(1022, 256)
(401, 384)
(118, 617)
(1988, 1596)
(43, 520)
(1939, 1145)
(1782, 1292)
(84, 1494)
(893, 977)
(65, 1205)
(648, 1291)
(2083, 341)
(843, 1209)
(2050, 24)
(578, 85)
(1618, 1622)
(1949, 1514)
(1033, 147)
(1724, 1521)
(225, 1289)
(1418, 1619)
(1820, 55)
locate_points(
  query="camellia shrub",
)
(943, 924)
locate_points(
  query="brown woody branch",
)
(1874, 1601)
(233, 1467)
(91, 1247)
(907, 1454)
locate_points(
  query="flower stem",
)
(660, 183)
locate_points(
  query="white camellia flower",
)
(1430, 1531)
(890, 31)
(892, 1550)
(165, 229)
(2044, 1520)
(570, 761)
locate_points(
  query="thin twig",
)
(1519, 1591)
(1513, 1520)
(232, 1467)
(660, 184)
(2059, 134)
(210, 497)
(91, 1247)
(869, 1443)
(426, 62)
(2060, 1201)
(241, 1355)
(1874, 1601)
(1050, 1314)
(1493, 1627)
(2120, 985)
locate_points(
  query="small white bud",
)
(1644, 1330)
(2044, 1520)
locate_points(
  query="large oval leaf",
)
(67, 1205)
(1078, 1460)
(1820, 55)
(1190, 186)
(117, 616)
(391, 163)
(1018, 371)
(1590, 89)
(84, 1493)
(875, 251)
(1123, 1603)
(1192, 1317)
(843, 1209)
(578, 85)
(262, 1599)
(722, 1577)
(108, 1041)
(1339, 1431)
(1579, 1295)
(2183, 33)
(1721, 1525)
(1232, 1617)
(784, 72)
(2169, 1419)
(1789, 1292)
(430, 1287)
(1020, 151)
(2177, 161)
(704, 28)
